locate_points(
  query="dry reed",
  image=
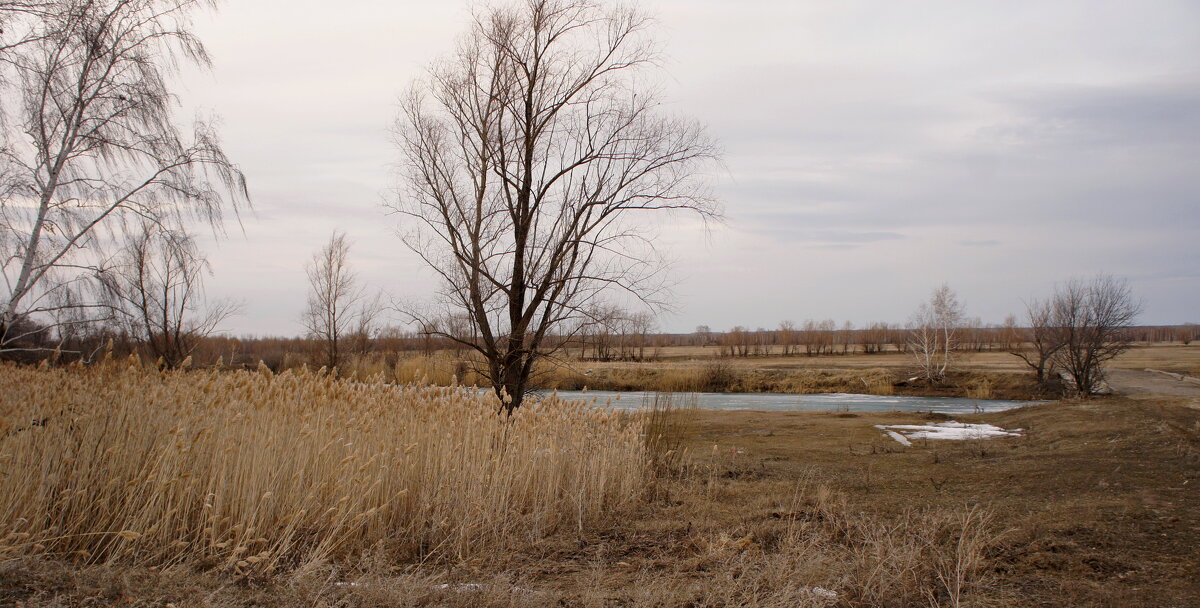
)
(258, 472)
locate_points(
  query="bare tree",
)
(809, 336)
(1011, 335)
(827, 334)
(527, 164)
(874, 338)
(90, 145)
(157, 290)
(1094, 318)
(737, 341)
(334, 298)
(787, 337)
(20, 21)
(641, 325)
(1043, 340)
(932, 335)
(367, 326)
(845, 337)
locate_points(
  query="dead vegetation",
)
(715, 376)
(1093, 506)
(253, 473)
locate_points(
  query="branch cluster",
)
(91, 153)
(530, 158)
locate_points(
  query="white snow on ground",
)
(902, 433)
(817, 596)
(901, 439)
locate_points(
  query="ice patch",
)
(954, 431)
(901, 439)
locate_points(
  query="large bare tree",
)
(20, 21)
(530, 157)
(156, 287)
(1093, 318)
(91, 148)
(1043, 340)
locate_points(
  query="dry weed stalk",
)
(259, 472)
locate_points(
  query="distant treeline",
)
(615, 342)
(814, 338)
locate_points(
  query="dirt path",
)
(1144, 384)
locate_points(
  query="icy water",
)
(827, 402)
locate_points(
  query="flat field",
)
(1141, 356)
(982, 375)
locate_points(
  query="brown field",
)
(985, 375)
(1096, 504)
(1157, 355)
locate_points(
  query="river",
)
(824, 402)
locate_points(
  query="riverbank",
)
(723, 377)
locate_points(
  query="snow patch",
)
(823, 596)
(954, 431)
(901, 439)
(459, 587)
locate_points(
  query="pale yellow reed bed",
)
(260, 473)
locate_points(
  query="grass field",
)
(1096, 504)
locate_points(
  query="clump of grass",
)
(981, 388)
(666, 425)
(439, 369)
(720, 376)
(256, 472)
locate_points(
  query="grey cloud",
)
(1013, 134)
(1131, 115)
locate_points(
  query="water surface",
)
(823, 402)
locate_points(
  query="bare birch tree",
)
(156, 289)
(932, 336)
(528, 161)
(20, 21)
(334, 299)
(90, 145)
(367, 326)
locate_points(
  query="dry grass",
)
(720, 376)
(803, 547)
(1094, 506)
(1168, 357)
(255, 473)
(982, 388)
(442, 369)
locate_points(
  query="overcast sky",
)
(873, 150)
